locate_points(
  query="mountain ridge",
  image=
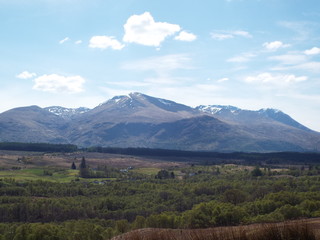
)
(226, 112)
(139, 120)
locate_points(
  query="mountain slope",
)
(191, 133)
(281, 117)
(239, 116)
(271, 127)
(31, 124)
(138, 120)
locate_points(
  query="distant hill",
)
(138, 120)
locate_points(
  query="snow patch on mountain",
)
(269, 110)
(165, 102)
(66, 112)
(216, 109)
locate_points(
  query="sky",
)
(251, 54)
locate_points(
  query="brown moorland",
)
(9, 159)
(308, 229)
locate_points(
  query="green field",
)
(52, 175)
(147, 171)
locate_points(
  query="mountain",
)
(237, 115)
(138, 120)
(128, 121)
(31, 124)
(272, 128)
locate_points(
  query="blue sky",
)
(251, 54)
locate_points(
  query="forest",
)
(100, 202)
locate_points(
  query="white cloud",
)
(142, 29)
(104, 42)
(185, 36)
(312, 51)
(64, 40)
(275, 45)
(78, 42)
(56, 83)
(279, 79)
(223, 35)
(26, 75)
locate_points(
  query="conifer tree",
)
(73, 166)
(83, 169)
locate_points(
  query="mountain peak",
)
(136, 98)
(135, 94)
(137, 106)
(123, 98)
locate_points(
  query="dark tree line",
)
(38, 147)
(202, 157)
(205, 157)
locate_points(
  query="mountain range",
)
(139, 120)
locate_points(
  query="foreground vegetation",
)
(101, 202)
(297, 230)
